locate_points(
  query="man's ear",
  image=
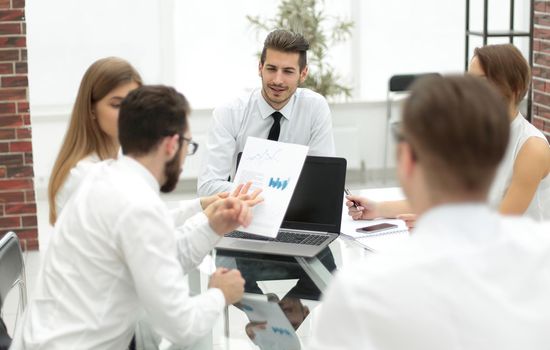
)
(303, 74)
(406, 160)
(171, 145)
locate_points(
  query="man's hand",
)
(230, 282)
(410, 220)
(241, 192)
(225, 215)
(365, 209)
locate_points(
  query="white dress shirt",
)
(520, 131)
(115, 254)
(306, 121)
(467, 279)
(183, 211)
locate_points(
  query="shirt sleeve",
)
(195, 239)
(321, 142)
(184, 210)
(145, 237)
(218, 158)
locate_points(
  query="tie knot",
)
(277, 115)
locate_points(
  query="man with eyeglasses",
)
(468, 277)
(116, 254)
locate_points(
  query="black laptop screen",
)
(316, 204)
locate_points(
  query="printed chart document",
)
(275, 168)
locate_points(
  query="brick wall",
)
(541, 67)
(17, 200)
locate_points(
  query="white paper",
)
(275, 168)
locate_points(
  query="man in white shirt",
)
(278, 111)
(116, 253)
(468, 278)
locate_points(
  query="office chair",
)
(12, 271)
(397, 85)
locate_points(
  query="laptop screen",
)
(316, 204)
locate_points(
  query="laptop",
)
(313, 217)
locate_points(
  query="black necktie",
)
(276, 127)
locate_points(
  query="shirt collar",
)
(137, 168)
(266, 110)
(468, 217)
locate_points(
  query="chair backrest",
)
(402, 82)
(12, 271)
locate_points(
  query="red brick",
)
(21, 68)
(540, 6)
(18, 184)
(24, 133)
(11, 159)
(20, 208)
(1, 209)
(18, 4)
(21, 171)
(13, 94)
(7, 134)
(28, 158)
(22, 107)
(10, 28)
(15, 81)
(3, 172)
(9, 55)
(542, 111)
(24, 28)
(4, 4)
(26, 119)
(24, 55)
(29, 196)
(7, 108)
(29, 221)
(542, 99)
(541, 33)
(6, 68)
(542, 19)
(538, 123)
(30, 244)
(10, 222)
(12, 197)
(13, 41)
(12, 15)
(539, 85)
(543, 60)
(21, 146)
(26, 233)
(11, 121)
(4, 147)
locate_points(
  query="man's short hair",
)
(286, 41)
(458, 129)
(505, 66)
(147, 115)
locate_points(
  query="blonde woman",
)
(522, 181)
(92, 135)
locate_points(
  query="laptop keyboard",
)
(284, 237)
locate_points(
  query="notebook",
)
(313, 217)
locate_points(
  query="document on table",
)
(275, 168)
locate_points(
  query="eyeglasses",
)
(192, 146)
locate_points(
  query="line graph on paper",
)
(270, 155)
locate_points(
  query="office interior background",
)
(208, 50)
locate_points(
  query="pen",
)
(348, 192)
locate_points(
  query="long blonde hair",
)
(84, 136)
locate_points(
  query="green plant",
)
(307, 17)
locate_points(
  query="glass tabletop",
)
(281, 296)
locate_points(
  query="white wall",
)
(206, 48)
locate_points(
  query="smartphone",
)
(376, 228)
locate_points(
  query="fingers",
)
(223, 195)
(237, 190)
(410, 220)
